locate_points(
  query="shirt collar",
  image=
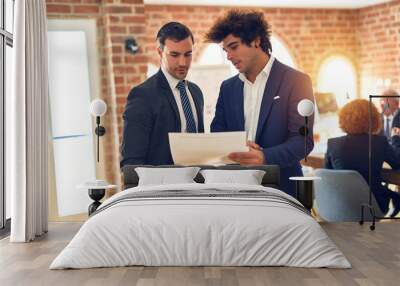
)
(173, 82)
(390, 117)
(265, 71)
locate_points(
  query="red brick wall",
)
(378, 35)
(121, 70)
(73, 8)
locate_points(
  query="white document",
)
(206, 148)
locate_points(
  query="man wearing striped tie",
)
(390, 114)
(164, 103)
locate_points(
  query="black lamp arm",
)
(303, 130)
(99, 131)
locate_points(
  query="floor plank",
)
(374, 255)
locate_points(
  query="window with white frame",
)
(6, 44)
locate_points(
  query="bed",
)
(197, 224)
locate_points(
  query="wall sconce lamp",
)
(98, 108)
(305, 108)
(304, 185)
(131, 46)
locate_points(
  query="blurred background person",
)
(350, 152)
(390, 113)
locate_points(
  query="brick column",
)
(116, 20)
(120, 70)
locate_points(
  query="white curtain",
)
(27, 134)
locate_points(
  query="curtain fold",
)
(27, 135)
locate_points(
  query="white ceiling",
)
(345, 4)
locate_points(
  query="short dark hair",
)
(174, 31)
(246, 25)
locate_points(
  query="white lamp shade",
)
(305, 107)
(98, 107)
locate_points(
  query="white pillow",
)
(166, 176)
(248, 177)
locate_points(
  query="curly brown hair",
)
(244, 24)
(354, 117)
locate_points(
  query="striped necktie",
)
(187, 110)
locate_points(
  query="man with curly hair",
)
(263, 98)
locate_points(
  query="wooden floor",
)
(375, 256)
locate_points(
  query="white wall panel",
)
(70, 119)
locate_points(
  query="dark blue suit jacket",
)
(150, 114)
(350, 152)
(279, 121)
(396, 119)
(395, 122)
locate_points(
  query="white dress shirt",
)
(172, 84)
(252, 96)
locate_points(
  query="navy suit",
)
(395, 122)
(396, 119)
(350, 152)
(278, 122)
(150, 114)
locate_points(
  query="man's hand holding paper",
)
(254, 156)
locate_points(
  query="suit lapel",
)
(271, 89)
(166, 89)
(396, 119)
(197, 103)
(237, 103)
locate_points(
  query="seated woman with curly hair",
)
(350, 152)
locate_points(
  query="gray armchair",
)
(339, 195)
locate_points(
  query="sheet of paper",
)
(206, 148)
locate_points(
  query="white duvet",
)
(200, 231)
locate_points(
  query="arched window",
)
(214, 55)
(336, 85)
(337, 76)
(281, 52)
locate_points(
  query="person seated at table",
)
(350, 152)
(390, 115)
(395, 139)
